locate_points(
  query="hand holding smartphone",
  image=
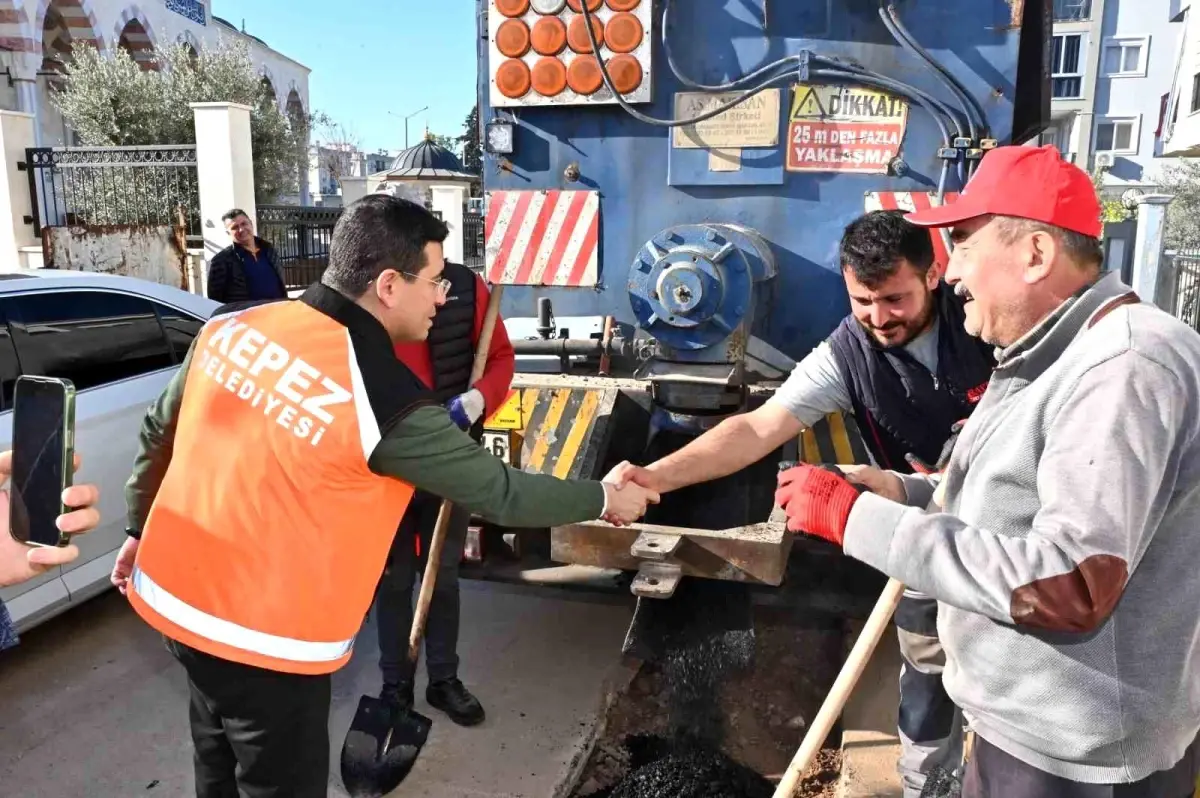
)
(43, 435)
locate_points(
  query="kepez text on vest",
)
(237, 356)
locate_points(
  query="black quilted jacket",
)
(227, 276)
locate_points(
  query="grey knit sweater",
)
(1067, 559)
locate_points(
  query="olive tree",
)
(109, 100)
(1182, 179)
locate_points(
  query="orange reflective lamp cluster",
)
(563, 57)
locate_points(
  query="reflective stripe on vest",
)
(221, 631)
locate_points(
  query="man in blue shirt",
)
(247, 270)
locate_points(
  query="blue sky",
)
(369, 57)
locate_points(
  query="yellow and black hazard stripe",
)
(561, 427)
(555, 427)
(834, 439)
(561, 430)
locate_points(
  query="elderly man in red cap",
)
(1061, 541)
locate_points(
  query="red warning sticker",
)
(844, 129)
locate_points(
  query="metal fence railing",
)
(473, 241)
(1185, 301)
(301, 236)
(114, 186)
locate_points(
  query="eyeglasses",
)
(443, 284)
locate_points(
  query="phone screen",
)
(38, 478)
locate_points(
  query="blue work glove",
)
(466, 408)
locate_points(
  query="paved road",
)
(92, 704)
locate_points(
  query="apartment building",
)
(1179, 135)
(1112, 67)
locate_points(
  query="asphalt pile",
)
(686, 768)
(701, 636)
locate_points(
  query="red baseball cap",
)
(1027, 182)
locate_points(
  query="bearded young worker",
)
(443, 362)
(1061, 541)
(270, 480)
(904, 365)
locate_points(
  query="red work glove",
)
(817, 500)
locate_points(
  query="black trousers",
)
(394, 597)
(992, 773)
(256, 733)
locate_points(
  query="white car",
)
(120, 340)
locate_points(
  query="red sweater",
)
(501, 362)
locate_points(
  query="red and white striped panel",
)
(543, 238)
(914, 201)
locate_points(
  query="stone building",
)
(36, 35)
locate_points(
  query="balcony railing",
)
(1072, 10)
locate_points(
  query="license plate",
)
(499, 443)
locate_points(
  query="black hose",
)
(650, 120)
(787, 76)
(882, 81)
(937, 109)
(907, 44)
(891, 19)
(873, 79)
(897, 86)
(921, 98)
(732, 85)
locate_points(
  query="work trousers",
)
(992, 773)
(394, 598)
(256, 733)
(930, 725)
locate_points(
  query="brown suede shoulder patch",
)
(1078, 601)
(1130, 298)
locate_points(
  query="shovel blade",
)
(381, 747)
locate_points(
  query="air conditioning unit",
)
(1104, 160)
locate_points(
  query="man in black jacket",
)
(246, 270)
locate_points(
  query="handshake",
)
(817, 500)
(628, 491)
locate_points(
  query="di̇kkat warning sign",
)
(844, 129)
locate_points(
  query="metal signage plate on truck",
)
(754, 123)
(846, 129)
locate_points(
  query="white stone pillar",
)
(225, 168)
(449, 200)
(306, 171)
(16, 136)
(353, 188)
(1151, 280)
(29, 103)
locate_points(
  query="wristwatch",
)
(136, 534)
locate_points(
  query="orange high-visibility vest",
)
(268, 536)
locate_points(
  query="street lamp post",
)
(406, 118)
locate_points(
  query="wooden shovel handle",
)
(438, 541)
(428, 580)
(851, 671)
